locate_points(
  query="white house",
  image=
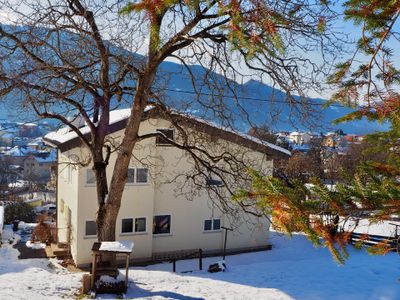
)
(299, 138)
(162, 211)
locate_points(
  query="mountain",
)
(256, 104)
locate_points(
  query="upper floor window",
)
(131, 175)
(141, 175)
(138, 176)
(90, 177)
(169, 133)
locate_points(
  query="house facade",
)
(164, 207)
(299, 138)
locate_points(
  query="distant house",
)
(40, 165)
(33, 162)
(329, 141)
(29, 130)
(159, 212)
(299, 138)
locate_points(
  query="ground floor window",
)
(162, 224)
(212, 224)
(140, 225)
(133, 225)
(127, 225)
(90, 228)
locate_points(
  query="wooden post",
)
(200, 259)
(127, 271)
(174, 265)
(93, 272)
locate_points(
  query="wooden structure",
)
(105, 263)
(188, 255)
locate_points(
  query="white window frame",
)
(212, 225)
(134, 232)
(90, 236)
(136, 177)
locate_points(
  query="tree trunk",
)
(108, 211)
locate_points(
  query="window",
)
(169, 133)
(207, 225)
(131, 175)
(137, 176)
(162, 224)
(90, 177)
(140, 225)
(212, 224)
(141, 175)
(216, 224)
(90, 228)
(127, 225)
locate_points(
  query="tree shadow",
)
(134, 291)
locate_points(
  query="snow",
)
(65, 134)
(109, 279)
(121, 246)
(364, 226)
(35, 245)
(17, 151)
(33, 279)
(293, 269)
(18, 184)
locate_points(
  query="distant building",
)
(299, 138)
(29, 130)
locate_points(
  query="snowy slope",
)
(293, 269)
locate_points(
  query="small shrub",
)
(42, 232)
(19, 211)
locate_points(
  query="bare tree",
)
(76, 57)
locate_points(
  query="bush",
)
(19, 211)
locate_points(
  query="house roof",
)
(66, 139)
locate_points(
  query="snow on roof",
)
(121, 246)
(17, 151)
(65, 134)
(18, 184)
(365, 226)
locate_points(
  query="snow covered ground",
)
(294, 269)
